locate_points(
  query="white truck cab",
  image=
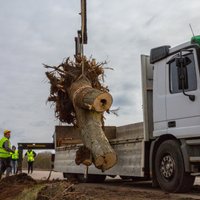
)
(176, 96)
(175, 146)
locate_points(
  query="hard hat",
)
(6, 131)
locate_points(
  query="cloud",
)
(36, 32)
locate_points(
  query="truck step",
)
(194, 159)
(193, 142)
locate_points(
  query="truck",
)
(165, 147)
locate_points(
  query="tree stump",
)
(89, 104)
(81, 100)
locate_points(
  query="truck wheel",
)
(92, 178)
(170, 170)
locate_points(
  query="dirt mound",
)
(15, 185)
(62, 190)
(23, 187)
(11, 186)
(17, 179)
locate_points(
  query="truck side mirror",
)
(181, 63)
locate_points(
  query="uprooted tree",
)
(81, 99)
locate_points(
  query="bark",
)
(83, 95)
(89, 122)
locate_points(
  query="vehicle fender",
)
(152, 157)
(184, 150)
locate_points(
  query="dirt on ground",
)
(24, 187)
(11, 186)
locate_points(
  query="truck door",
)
(182, 85)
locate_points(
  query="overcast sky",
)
(33, 32)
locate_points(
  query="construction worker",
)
(14, 159)
(5, 156)
(30, 159)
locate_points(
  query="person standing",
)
(5, 156)
(14, 159)
(30, 159)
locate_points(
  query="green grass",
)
(30, 193)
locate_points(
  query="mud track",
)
(112, 189)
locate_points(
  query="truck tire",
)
(91, 178)
(170, 170)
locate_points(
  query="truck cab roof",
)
(162, 52)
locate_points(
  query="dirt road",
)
(35, 187)
(118, 189)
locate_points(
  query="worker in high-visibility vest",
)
(14, 159)
(5, 156)
(30, 159)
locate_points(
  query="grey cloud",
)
(39, 123)
(36, 32)
(124, 101)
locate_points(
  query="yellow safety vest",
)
(3, 152)
(15, 155)
(30, 156)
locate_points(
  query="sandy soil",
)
(113, 189)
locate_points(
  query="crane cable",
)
(83, 23)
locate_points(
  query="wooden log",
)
(90, 125)
(84, 96)
(89, 122)
(83, 155)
